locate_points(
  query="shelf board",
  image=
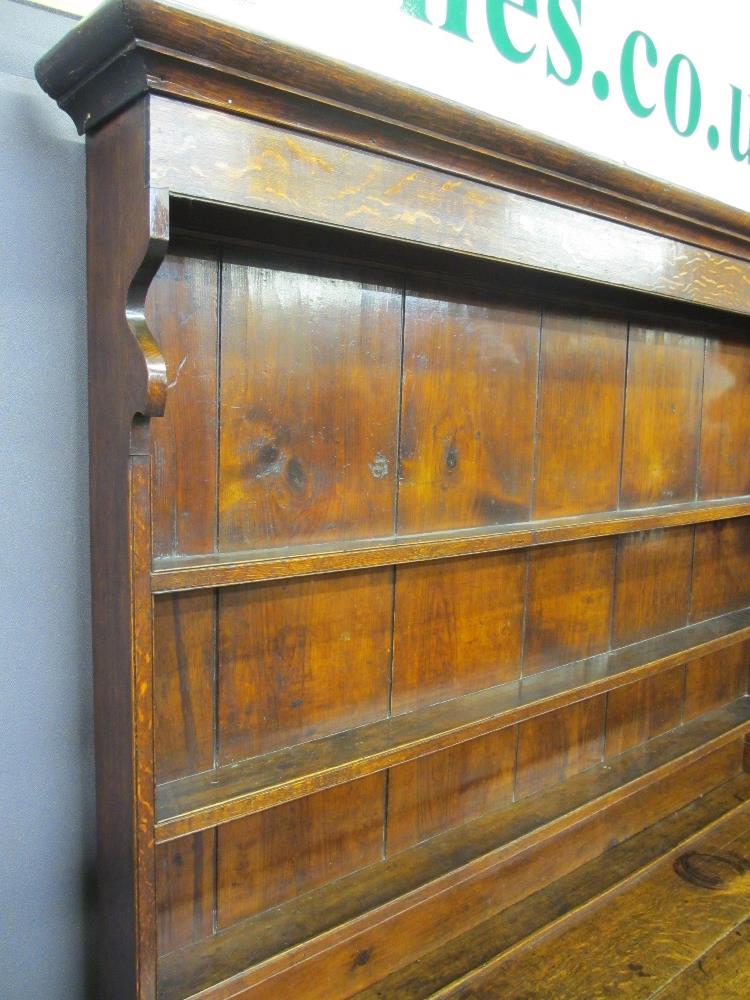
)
(259, 947)
(171, 574)
(561, 903)
(222, 794)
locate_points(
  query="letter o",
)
(671, 82)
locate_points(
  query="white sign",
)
(662, 86)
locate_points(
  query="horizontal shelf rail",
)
(177, 573)
(217, 796)
(561, 903)
(259, 947)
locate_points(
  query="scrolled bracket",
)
(152, 395)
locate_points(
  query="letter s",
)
(566, 36)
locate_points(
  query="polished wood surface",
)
(638, 712)
(581, 430)
(184, 700)
(724, 461)
(457, 627)
(569, 603)
(130, 47)
(720, 571)
(563, 900)
(262, 169)
(621, 949)
(464, 861)
(223, 570)
(184, 303)
(309, 413)
(652, 584)
(420, 536)
(301, 659)
(469, 407)
(662, 417)
(199, 801)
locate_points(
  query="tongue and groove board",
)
(681, 930)
(420, 516)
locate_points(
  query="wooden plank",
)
(279, 854)
(185, 890)
(652, 584)
(563, 900)
(184, 683)
(422, 892)
(248, 72)
(629, 948)
(555, 746)
(569, 603)
(182, 310)
(301, 659)
(725, 429)
(458, 627)
(662, 417)
(442, 790)
(310, 381)
(126, 377)
(639, 712)
(225, 793)
(721, 973)
(721, 570)
(235, 568)
(715, 679)
(579, 433)
(267, 169)
(468, 413)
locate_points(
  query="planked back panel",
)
(314, 401)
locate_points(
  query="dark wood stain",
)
(420, 539)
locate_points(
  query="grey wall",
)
(46, 782)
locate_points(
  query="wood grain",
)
(557, 745)
(302, 659)
(469, 408)
(310, 375)
(629, 948)
(452, 877)
(579, 433)
(200, 801)
(383, 296)
(218, 64)
(724, 457)
(184, 683)
(185, 889)
(265, 169)
(641, 711)
(721, 972)
(721, 569)
(281, 853)
(662, 417)
(569, 603)
(563, 900)
(445, 789)
(229, 569)
(716, 679)
(457, 627)
(127, 376)
(652, 584)
(182, 308)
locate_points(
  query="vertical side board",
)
(127, 377)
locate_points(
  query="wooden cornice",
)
(128, 48)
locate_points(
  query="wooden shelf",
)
(562, 903)
(635, 928)
(217, 796)
(196, 572)
(253, 950)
